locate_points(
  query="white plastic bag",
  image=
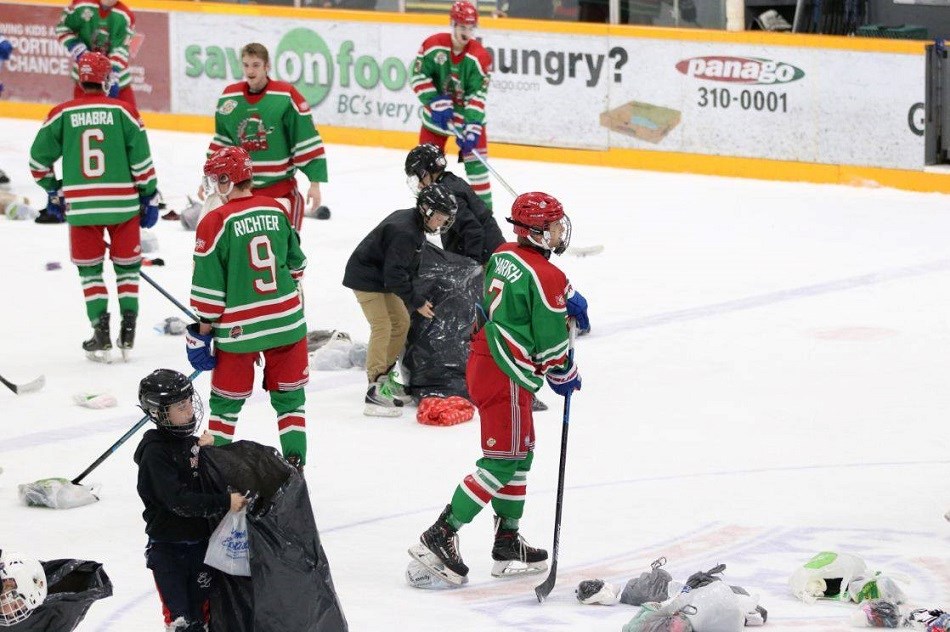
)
(228, 548)
(716, 607)
(334, 354)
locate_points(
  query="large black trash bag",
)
(290, 587)
(437, 348)
(73, 586)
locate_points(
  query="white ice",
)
(767, 378)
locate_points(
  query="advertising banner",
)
(587, 91)
(39, 68)
(781, 103)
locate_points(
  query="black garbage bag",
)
(290, 587)
(73, 585)
(437, 348)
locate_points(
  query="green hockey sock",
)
(478, 488)
(222, 420)
(127, 280)
(94, 290)
(478, 178)
(508, 503)
(291, 422)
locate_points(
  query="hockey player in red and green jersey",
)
(524, 339)
(273, 122)
(248, 264)
(450, 78)
(107, 186)
(103, 26)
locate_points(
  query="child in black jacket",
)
(176, 509)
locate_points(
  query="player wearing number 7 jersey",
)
(108, 182)
(248, 264)
(522, 339)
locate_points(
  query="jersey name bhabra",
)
(78, 119)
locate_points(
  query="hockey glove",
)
(468, 139)
(198, 346)
(113, 85)
(77, 51)
(56, 206)
(564, 381)
(6, 49)
(442, 112)
(577, 309)
(148, 212)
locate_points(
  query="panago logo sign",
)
(745, 70)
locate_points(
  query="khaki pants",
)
(388, 328)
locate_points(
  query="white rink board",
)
(797, 104)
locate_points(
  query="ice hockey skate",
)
(380, 401)
(438, 551)
(513, 556)
(397, 390)
(126, 339)
(99, 347)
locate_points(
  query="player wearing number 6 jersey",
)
(248, 264)
(523, 340)
(108, 183)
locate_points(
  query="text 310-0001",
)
(758, 100)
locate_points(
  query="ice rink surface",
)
(767, 378)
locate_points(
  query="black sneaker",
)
(514, 556)
(442, 541)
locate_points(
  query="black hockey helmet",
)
(422, 160)
(163, 389)
(436, 198)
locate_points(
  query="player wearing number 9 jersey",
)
(247, 267)
(107, 180)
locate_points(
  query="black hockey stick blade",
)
(29, 387)
(544, 589)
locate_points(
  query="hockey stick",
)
(115, 446)
(162, 291)
(544, 589)
(577, 251)
(168, 296)
(29, 387)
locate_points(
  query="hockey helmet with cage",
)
(422, 160)
(94, 68)
(433, 199)
(228, 165)
(532, 215)
(163, 390)
(22, 587)
(464, 13)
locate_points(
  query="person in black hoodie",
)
(176, 509)
(475, 233)
(381, 272)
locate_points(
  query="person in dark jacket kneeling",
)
(381, 271)
(176, 510)
(475, 233)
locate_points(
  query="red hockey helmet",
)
(94, 68)
(229, 164)
(464, 13)
(532, 215)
